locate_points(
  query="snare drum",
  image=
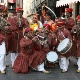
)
(64, 46)
(52, 56)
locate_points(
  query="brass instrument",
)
(3, 23)
(19, 20)
(74, 30)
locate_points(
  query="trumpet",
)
(3, 23)
(74, 30)
(19, 20)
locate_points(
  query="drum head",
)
(52, 56)
(62, 45)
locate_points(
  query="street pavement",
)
(34, 75)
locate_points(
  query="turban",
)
(60, 23)
(1, 6)
(19, 9)
(47, 26)
(27, 30)
(68, 10)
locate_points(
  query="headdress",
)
(68, 10)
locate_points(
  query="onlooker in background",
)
(36, 24)
(49, 21)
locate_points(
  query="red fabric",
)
(2, 37)
(70, 23)
(21, 64)
(16, 32)
(47, 26)
(60, 22)
(19, 9)
(68, 10)
(29, 58)
(78, 17)
(27, 30)
(1, 6)
(62, 34)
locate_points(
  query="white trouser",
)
(41, 67)
(73, 60)
(64, 63)
(13, 57)
(2, 56)
(78, 63)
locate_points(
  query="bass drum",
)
(64, 46)
(51, 57)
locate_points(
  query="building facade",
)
(74, 4)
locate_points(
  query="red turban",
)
(47, 26)
(60, 22)
(27, 30)
(1, 6)
(19, 9)
(78, 17)
(68, 10)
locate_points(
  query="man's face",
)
(67, 14)
(35, 19)
(29, 34)
(19, 14)
(78, 22)
(46, 30)
(47, 17)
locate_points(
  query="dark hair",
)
(49, 14)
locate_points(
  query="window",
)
(1, 1)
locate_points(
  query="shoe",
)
(75, 65)
(3, 72)
(46, 72)
(63, 71)
(12, 67)
(78, 71)
(7, 65)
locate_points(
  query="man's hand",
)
(6, 27)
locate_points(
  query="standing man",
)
(77, 28)
(2, 43)
(21, 23)
(69, 21)
(63, 33)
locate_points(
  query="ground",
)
(54, 75)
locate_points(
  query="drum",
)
(52, 57)
(64, 46)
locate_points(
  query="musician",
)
(2, 54)
(20, 23)
(41, 48)
(21, 64)
(49, 21)
(29, 58)
(63, 33)
(16, 33)
(77, 29)
(2, 42)
(69, 21)
(3, 38)
(36, 24)
(52, 42)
